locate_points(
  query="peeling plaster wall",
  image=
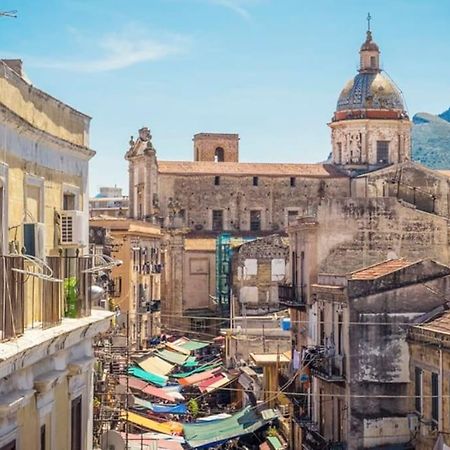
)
(355, 233)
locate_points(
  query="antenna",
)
(12, 14)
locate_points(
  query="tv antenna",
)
(12, 14)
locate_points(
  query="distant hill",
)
(431, 139)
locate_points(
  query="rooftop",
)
(380, 269)
(439, 325)
(239, 168)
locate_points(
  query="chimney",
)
(15, 65)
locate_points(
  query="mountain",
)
(431, 139)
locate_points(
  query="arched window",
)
(219, 155)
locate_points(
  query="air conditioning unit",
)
(34, 239)
(71, 229)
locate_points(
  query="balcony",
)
(325, 363)
(38, 294)
(313, 440)
(291, 296)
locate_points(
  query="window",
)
(76, 429)
(2, 213)
(69, 201)
(435, 396)
(219, 155)
(117, 287)
(292, 216)
(199, 325)
(373, 62)
(292, 181)
(216, 181)
(418, 377)
(255, 181)
(42, 437)
(322, 327)
(217, 220)
(255, 220)
(340, 333)
(382, 152)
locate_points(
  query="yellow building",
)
(46, 321)
(136, 282)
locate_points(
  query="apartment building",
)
(47, 322)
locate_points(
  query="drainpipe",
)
(440, 392)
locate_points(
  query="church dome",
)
(370, 91)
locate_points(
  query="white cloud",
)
(116, 51)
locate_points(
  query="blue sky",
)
(270, 70)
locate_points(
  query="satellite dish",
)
(112, 440)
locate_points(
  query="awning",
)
(172, 357)
(159, 380)
(192, 345)
(149, 424)
(202, 435)
(191, 362)
(218, 382)
(156, 365)
(135, 383)
(160, 408)
(197, 378)
(220, 416)
(177, 348)
(200, 369)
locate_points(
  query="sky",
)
(270, 70)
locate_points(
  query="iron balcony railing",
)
(37, 293)
(313, 440)
(325, 363)
(291, 296)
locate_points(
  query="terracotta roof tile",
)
(241, 168)
(380, 269)
(439, 325)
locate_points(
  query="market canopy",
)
(244, 422)
(172, 357)
(198, 377)
(149, 424)
(215, 383)
(190, 344)
(156, 365)
(199, 369)
(154, 378)
(135, 383)
(159, 408)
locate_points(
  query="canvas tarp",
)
(204, 434)
(177, 348)
(160, 408)
(149, 424)
(156, 365)
(275, 443)
(146, 388)
(197, 378)
(172, 357)
(192, 345)
(200, 369)
(216, 383)
(191, 362)
(159, 380)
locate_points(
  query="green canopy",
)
(191, 362)
(203, 434)
(194, 345)
(172, 357)
(197, 370)
(158, 380)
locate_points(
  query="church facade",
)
(196, 201)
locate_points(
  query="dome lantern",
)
(369, 53)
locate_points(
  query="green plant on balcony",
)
(71, 296)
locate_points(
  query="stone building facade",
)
(429, 388)
(135, 287)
